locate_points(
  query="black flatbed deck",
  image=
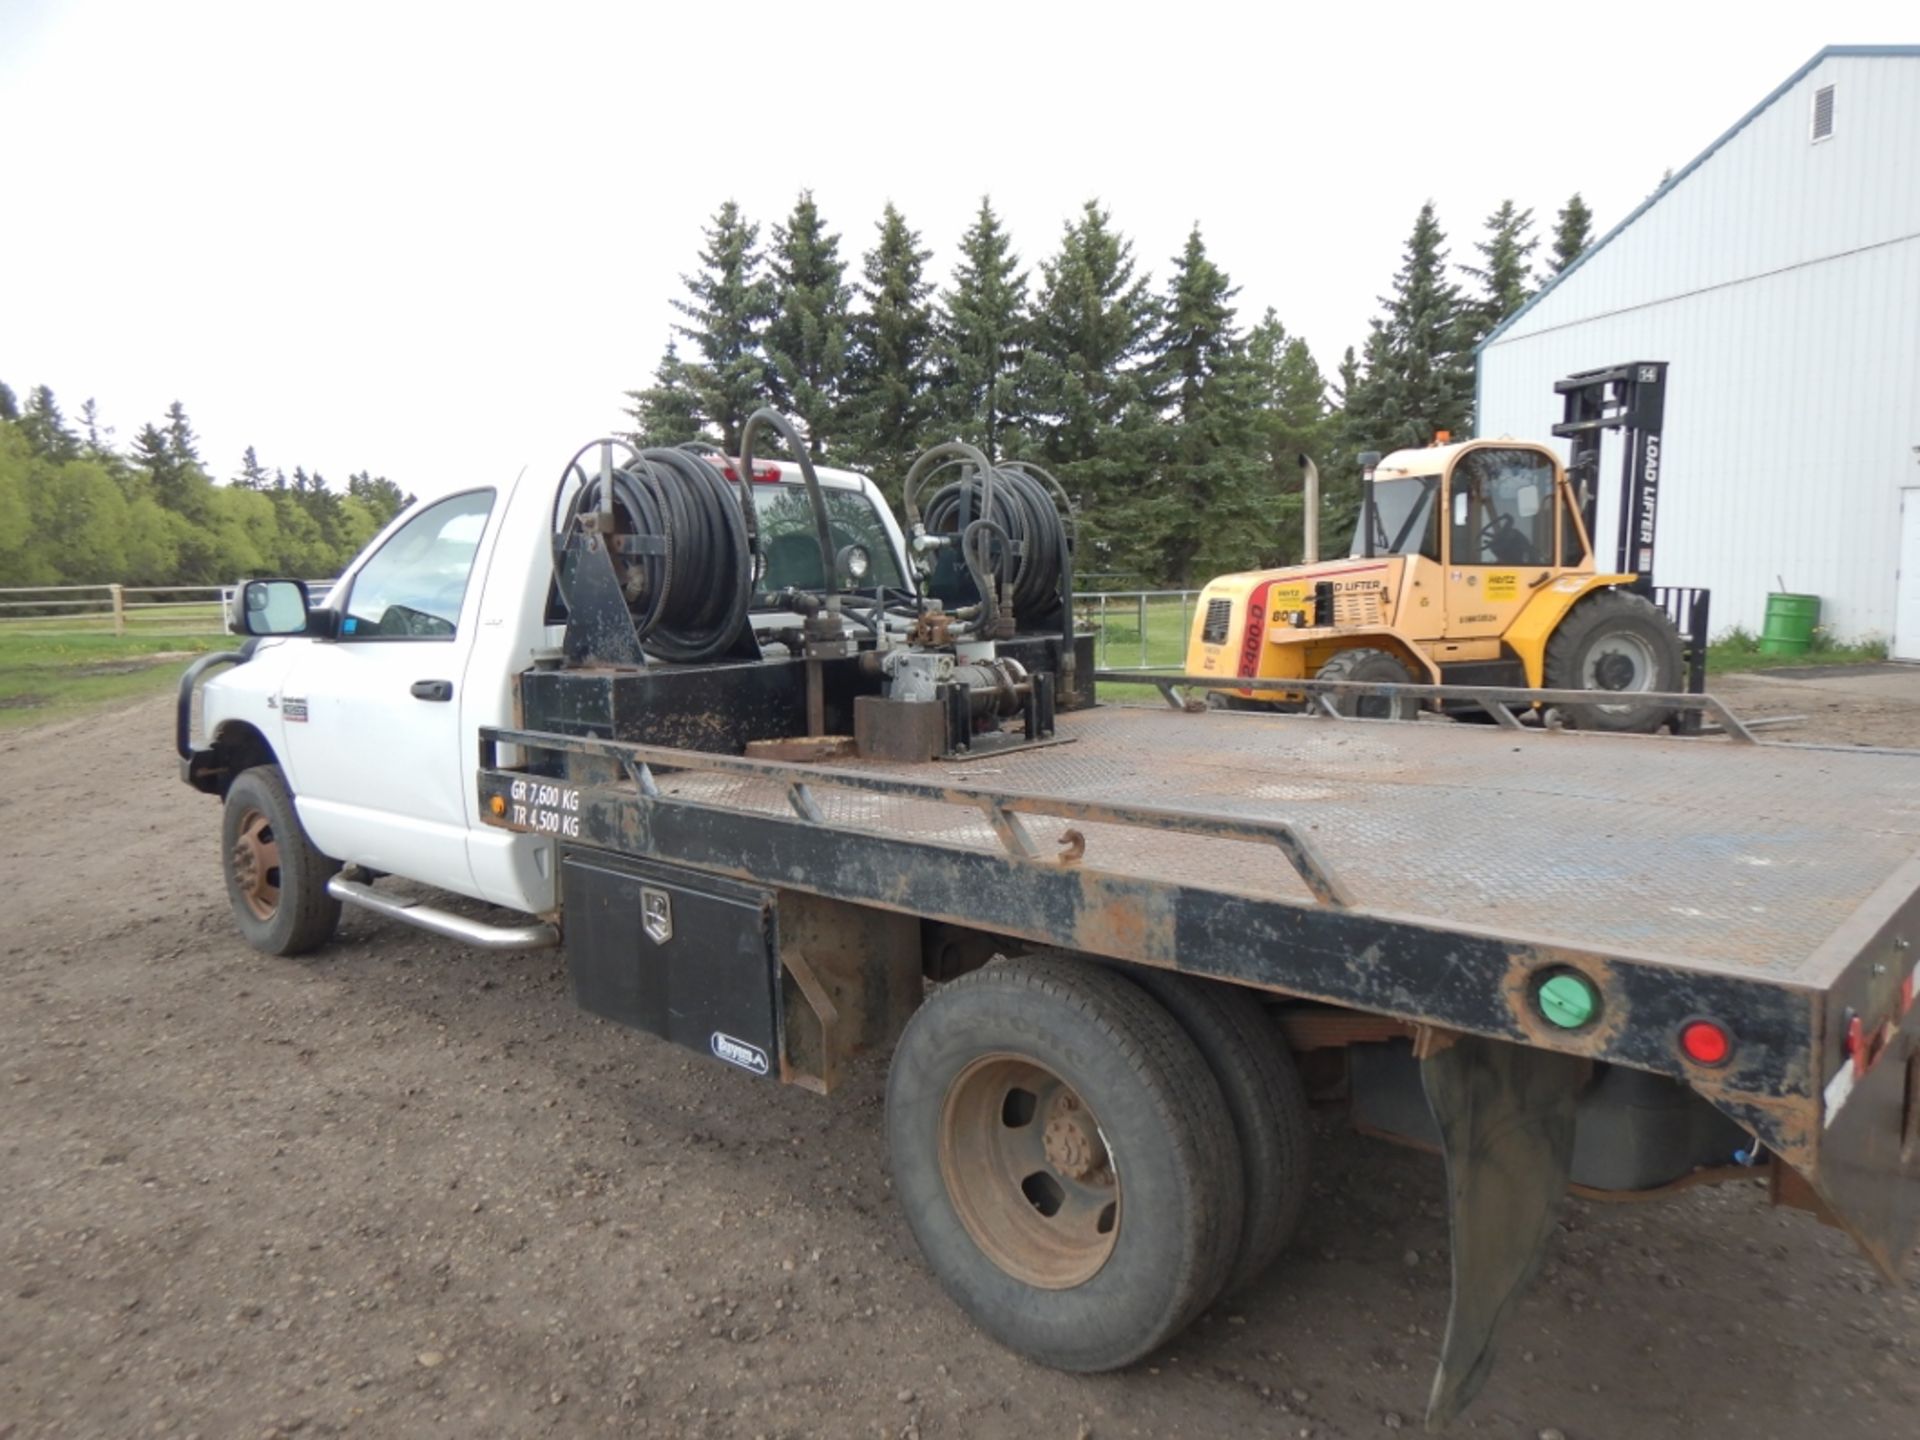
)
(1431, 872)
(1744, 858)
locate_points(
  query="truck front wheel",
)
(1065, 1159)
(276, 880)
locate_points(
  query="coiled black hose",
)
(679, 545)
(1032, 533)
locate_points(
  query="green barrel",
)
(1790, 624)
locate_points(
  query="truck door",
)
(1500, 537)
(372, 729)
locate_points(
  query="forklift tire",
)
(1615, 640)
(1381, 666)
(1265, 1099)
(276, 880)
(1065, 1160)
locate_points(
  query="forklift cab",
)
(1509, 507)
(1506, 503)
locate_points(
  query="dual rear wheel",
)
(1089, 1156)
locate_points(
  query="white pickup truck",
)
(791, 785)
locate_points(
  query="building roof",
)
(1830, 52)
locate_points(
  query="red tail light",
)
(1706, 1042)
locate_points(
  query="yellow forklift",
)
(1474, 564)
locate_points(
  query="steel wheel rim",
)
(256, 864)
(1604, 659)
(1029, 1172)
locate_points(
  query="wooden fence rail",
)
(117, 609)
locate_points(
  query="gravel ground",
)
(400, 1188)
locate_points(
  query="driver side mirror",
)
(271, 607)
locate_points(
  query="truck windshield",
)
(793, 553)
(1403, 518)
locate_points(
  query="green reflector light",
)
(1568, 1001)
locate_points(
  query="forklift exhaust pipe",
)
(1310, 511)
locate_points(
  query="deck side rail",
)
(1002, 808)
(1496, 700)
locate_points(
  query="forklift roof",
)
(1434, 459)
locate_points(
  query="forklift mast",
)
(1631, 399)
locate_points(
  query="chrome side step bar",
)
(535, 936)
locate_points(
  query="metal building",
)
(1779, 274)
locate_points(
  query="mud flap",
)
(1505, 1114)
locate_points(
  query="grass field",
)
(1740, 650)
(54, 676)
(52, 673)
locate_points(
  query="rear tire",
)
(1265, 1100)
(1615, 640)
(1065, 1159)
(1379, 666)
(276, 879)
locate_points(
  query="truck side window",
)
(412, 586)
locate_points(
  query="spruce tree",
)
(98, 440)
(153, 456)
(1082, 390)
(667, 412)
(181, 440)
(1195, 513)
(1355, 429)
(1349, 377)
(1506, 277)
(382, 498)
(1572, 233)
(890, 374)
(1294, 419)
(729, 303)
(981, 326)
(806, 339)
(1419, 375)
(46, 428)
(9, 402)
(253, 475)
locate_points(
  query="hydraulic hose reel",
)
(653, 555)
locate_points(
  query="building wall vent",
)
(1823, 112)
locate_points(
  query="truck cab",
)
(373, 719)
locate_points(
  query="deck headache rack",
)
(1496, 700)
(642, 765)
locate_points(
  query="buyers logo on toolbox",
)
(739, 1052)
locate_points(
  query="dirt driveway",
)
(402, 1189)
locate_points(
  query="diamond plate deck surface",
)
(1738, 857)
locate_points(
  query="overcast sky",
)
(439, 242)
